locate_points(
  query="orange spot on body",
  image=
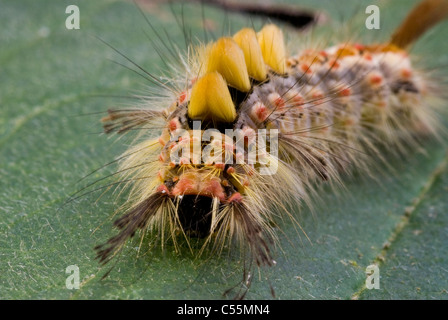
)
(276, 100)
(359, 46)
(236, 197)
(174, 124)
(368, 56)
(305, 68)
(261, 112)
(345, 92)
(298, 101)
(334, 64)
(182, 96)
(406, 73)
(375, 79)
(279, 103)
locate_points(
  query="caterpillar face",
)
(254, 130)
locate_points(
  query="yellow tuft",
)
(211, 100)
(247, 40)
(272, 47)
(227, 58)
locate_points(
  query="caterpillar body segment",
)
(307, 117)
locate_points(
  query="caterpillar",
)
(250, 131)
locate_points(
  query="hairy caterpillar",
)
(331, 106)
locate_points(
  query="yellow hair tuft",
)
(247, 40)
(211, 100)
(272, 47)
(227, 58)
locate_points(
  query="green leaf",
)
(53, 79)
